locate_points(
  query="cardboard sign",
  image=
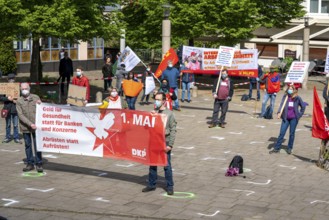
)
(297, 72)
(10, 89)
(76, 95)
(225, 56)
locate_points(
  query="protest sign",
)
(149, 85)
(129, 58)
(115, 133)
(297, 72)
(76, 95)
(225, 56)
(10, 89)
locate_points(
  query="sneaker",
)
(6, 140)
(182, 100)
(170, 192)
(222, 125)
(274, 151)
(18, 141)
(189, 101)
(39, 168)
(212, 126)
(289, 151)
(148, 189)
(148, 103)
(177, 109)
(28, 168)
(141, 103)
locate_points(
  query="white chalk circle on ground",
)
(180, 195)
(40, 190)
(34, 174)
(212, 215)
(11, 151)
(218, 138)
(249, 192)
(266, 183)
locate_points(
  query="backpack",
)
(235, 167)
(268, 113)
(244, 97)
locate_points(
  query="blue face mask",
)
(290, 91)
(158, 104)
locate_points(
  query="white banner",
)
(225, 56)
(129, 58)
(192, 57)
(326, 67)
(149, 85)
(297, 72)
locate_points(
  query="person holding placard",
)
(290, 111)
(81, 80)
(272, 87)
(12, 116)
(131, 100)
(222, 96)
(147, 73)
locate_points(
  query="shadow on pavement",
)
(305, 159)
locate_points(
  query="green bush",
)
(7, 56)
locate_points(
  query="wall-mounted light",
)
(306, 21)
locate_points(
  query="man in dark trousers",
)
(222, 94)
(65, 71)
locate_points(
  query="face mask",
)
(193, 61)
(148, 69)
(224, 76)
(289, 91)
(78, 74)
(114, 94)
(25, 92)
(170, 65)
(158, 104)
(164, 85)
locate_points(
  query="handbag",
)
(4, 113)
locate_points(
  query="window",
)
(95, 48)
(267, 50)
(319, 6)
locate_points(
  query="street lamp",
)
(306, 21)
(166, 29)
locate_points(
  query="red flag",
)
(170, 55)
(320, 126)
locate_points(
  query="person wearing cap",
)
(171, 74)
(272, 87)
(193, 63)
(80, 80)
(290, 111)
(120, 74)
(12, 116)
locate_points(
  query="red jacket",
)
(82, 81)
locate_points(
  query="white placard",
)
(129, 58)
(297, 72)
(149, 85)
(225, 56)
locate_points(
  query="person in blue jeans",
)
(171, 74)
(255, 81)
(187, 82)
(12, 117)
(160, 107)
(131, 101)
(290, 111)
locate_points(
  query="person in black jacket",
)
(107, 74)
(222, 97)
(65, 71)
(12, 117)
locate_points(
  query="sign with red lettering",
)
(297, 72)
(136, 136)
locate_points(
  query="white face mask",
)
(148, 69)
(25, 92)
(78, 73)
(169, 65)
(114, 94)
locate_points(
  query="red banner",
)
(320, 126)
(115, 133)
(170, 55)
(241, 73)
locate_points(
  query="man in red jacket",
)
(80, 80)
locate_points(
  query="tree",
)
(219, 22)
(7, 56)
(70, 20)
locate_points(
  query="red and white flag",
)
(170, 55)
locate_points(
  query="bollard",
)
(194, 91)
(99, 97)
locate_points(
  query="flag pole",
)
(151, 73)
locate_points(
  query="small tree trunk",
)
(36, 69)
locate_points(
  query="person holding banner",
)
(113, 101)
(272, 87)
(170, 136)
(147, 73)
(254, 81)
(187, 82)
(222, 97)
(131, 100)
(81, 80)
(12, 116)
(172, 74)
(290, 111)
(26, 109)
